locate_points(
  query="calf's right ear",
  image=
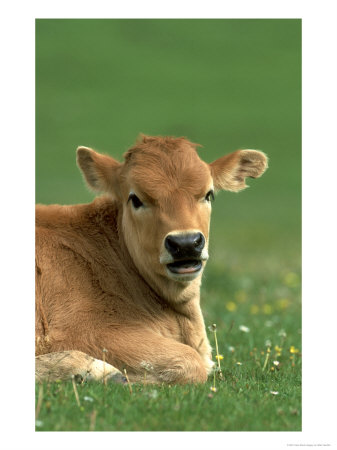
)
(100, 171)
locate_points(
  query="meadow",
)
(225, 84)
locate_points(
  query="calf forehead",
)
(159, 172)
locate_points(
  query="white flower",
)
(283, 334)
(239, 363)
(267, 343)
(153, 394)
(88, 399)
(212, 327)
(244, 329)
(276, 363)
(146, 365)
(231, 349)
(274, 392)
(38, 423)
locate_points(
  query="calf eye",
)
(209, 196)
(135, 201)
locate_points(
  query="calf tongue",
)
(187, 269)
(185, 266)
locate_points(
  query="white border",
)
(319, 218)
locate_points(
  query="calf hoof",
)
(116, 378)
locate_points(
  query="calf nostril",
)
(171, 245)
(199, 241)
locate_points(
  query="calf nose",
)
(185, 245)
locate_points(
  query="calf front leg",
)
(72, 363)
(153, 358)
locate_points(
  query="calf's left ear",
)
(230, 171)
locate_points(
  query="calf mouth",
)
(185, 267)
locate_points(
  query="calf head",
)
(164, 191)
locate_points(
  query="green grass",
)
(226, 84)
(242, 403)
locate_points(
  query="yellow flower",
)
(219, 357)
(278, 349)
(283, 303)
(267, 309)
(238, 363)
(213, 388)
(241, 296)
(254, 309)
(291, 279)
(293, 349)
(231, 306)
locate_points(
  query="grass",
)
(226, 84)
(233, 407)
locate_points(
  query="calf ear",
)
(100, 171)
(230, 171)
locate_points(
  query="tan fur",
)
(100, 281)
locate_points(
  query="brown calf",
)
(123, 273)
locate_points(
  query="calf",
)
(119, 279)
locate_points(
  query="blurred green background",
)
(225, 84)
